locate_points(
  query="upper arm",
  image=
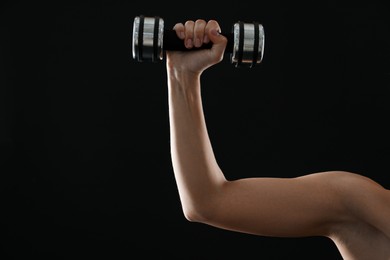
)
(284, 207)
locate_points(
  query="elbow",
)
(193, 215)
(202, 209)
(199, 214)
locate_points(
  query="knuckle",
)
(189, 23)
(200, 21)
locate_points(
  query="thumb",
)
(219, 41)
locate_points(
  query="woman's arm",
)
(310, 205)
(267, 206)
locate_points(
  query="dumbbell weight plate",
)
(147, 40)
(248, 44)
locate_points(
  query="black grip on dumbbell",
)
(173, 43)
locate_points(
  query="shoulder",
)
(364, 201)
(363, 228)
(360, 199)
(350, 186)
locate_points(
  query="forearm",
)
(196, 171)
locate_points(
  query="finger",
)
(189, 33)
(199, 32)
(179, 28)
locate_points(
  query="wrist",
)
(183, 79)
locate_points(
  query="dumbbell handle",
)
(174, 43)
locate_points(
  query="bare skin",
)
(350, 209)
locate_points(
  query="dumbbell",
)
(150, 40)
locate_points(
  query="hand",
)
(195, 34)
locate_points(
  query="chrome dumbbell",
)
(150, 40)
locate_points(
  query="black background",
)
(84, 133)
